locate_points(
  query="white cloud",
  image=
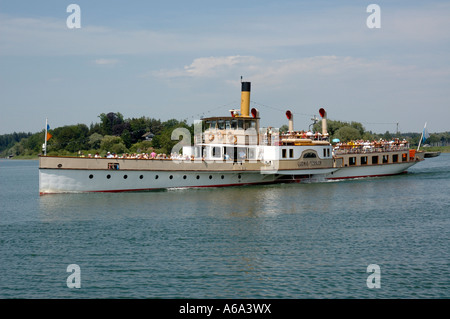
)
(209, 67)
(269, 72)
(106, 61)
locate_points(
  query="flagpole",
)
(45, 137)
(421, 137)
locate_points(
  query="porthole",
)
(210, 176)
(59, 165)
(198, 176)
(239, 176)
(184, 176)
(141, 177)
(222, 177)
(91, 176)
(156, 176)
(108, 176)
(171, 176)
(125, 176)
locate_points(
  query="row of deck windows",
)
(376, 159)
(233, 124)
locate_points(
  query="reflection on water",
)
(251, 201)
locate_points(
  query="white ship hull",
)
(66, 181)
(370, 171)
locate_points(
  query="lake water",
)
(312, 240)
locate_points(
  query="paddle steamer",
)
(229, 150)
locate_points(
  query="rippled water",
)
(311, 240)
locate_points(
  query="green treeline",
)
(112, 134)
(135, 135)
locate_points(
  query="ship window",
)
(309, 155)
(251, 153)
(324, 152)
(283, 153)
(291, 153)
(363, 160)
(374, 159)
(212, 125)
(229, 153)
(198, 176)
(242, 153)
(171, 176)
(216, 152)
(156, 176)
(227, 124)
(222, 177)
(108, 176)
(113, 166)
(91, 176)
(385, 159)
(233, 124)
(241, 124)
(184, 176)
(141, 177)
(210, 176)
(220, 124)
(352, 160)
(239, 176)
(328, 152)
(404, 157)
(395, 158)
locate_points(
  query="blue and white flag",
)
(425, 134)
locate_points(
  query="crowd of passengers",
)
(380, 145)
(152, 155)
(317, 136)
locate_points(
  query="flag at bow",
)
(48, 136)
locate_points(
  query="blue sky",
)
(184, 60)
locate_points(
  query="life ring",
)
(211, 137)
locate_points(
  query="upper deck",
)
(362, 147)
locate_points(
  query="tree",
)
(163, 141)
(71, 138)
(109, 121)
(284, 128)
(95, 140)
(113, 144)
(347, 133)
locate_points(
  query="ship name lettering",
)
(308, 163)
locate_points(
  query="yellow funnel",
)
(245, 99)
